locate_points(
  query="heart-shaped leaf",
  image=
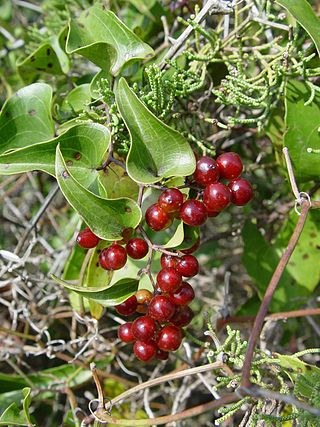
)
(157, 151)
(25, 118)
(100, 36)
(13, 416)
(106, 217)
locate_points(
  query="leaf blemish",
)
(32, 112)
(69, 163)
(33, 58)
(128, 210)
(50, 65)
(48, 51)
(65, 175)
(77, 155)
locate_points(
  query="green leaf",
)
(302, 11)
(75, 101)
(157, 151)
(83, 146)
(303, 130)
(106, 217)
(104, 295)
(143, 7)
(102, 38)
(13, 416)
(116, 183)
(25, 118)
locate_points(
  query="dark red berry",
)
(126, 234)
(86, 239)
(193, 212)
(168, 261)
(127, 307)
(212, 214)
(192, 248)
(182, 316)
(171, 200)
(230, 165)
(157, 218)
(169, 279)
(241, 191)
(169, 338)
(161, 308)
(183, 296)
(187, 266)
(162, 355)
(207, 171)
(144, 328)
(125, 332)
(216, 197)
(137, 248)
(113, 258)
(144, 350)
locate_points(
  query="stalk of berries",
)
(163, 313)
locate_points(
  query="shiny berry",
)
(137, 248)
(216, 197)
(161, 308)
(157, 218)
(182, 316)
(162, 355)
(187, 266)
(192, 248)
(168, 261)
(86, 239)
(230, 165)
(169, 279)
(113, 258)
(182, 296)
(207, 171)
(193, 212)
(126, 235)
(171, 200)
(144, 328)
(144, 350)
(143, 296)
(169, 338)
(127, 307)
(212, 214)
(241, 191)
(125, 332)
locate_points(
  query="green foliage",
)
(13, 416)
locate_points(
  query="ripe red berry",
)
(216, 197)
(168, 261)
(127, 307)
(161, 308)
(182, 316)
(157, 218)
(212, 214)
(125, 332)
(169, 279)
(193, 212)
(126, 235)
(137, 248)
(86, 239)
(192, 248)
(207, 171)
(143, 296)
(182, 296)
(241, 191)
(230, 165)
(171, 200)
(144, 350)
(113, 258)
(162, 355)
(187, 266)
(144, 328)
(169, 338)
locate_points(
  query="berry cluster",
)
(166, 311)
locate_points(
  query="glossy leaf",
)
(302, 123)
(25, 118)
(102, 38)
(106, 217)
(157, 151)
(75, 101)
(116, 183)
(13, 416)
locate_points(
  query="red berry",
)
(168, 279)
(126, 234)
(187, 266)
(192, 248)
(207, 171)
(230, 165)
(193, 212)
(212, 214)
(157, 218)
(161, 308)
(113, 258)
(137, 248)
(183, 296)
(86, 239)
(168, 261)
(144, 350)
(216, 197)
(125, 332)
(162, 355)
(127, 307)
(171, 200)
(182, 316)
(143, 296)
(144, 328)
(169, 338)
(241, 191)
